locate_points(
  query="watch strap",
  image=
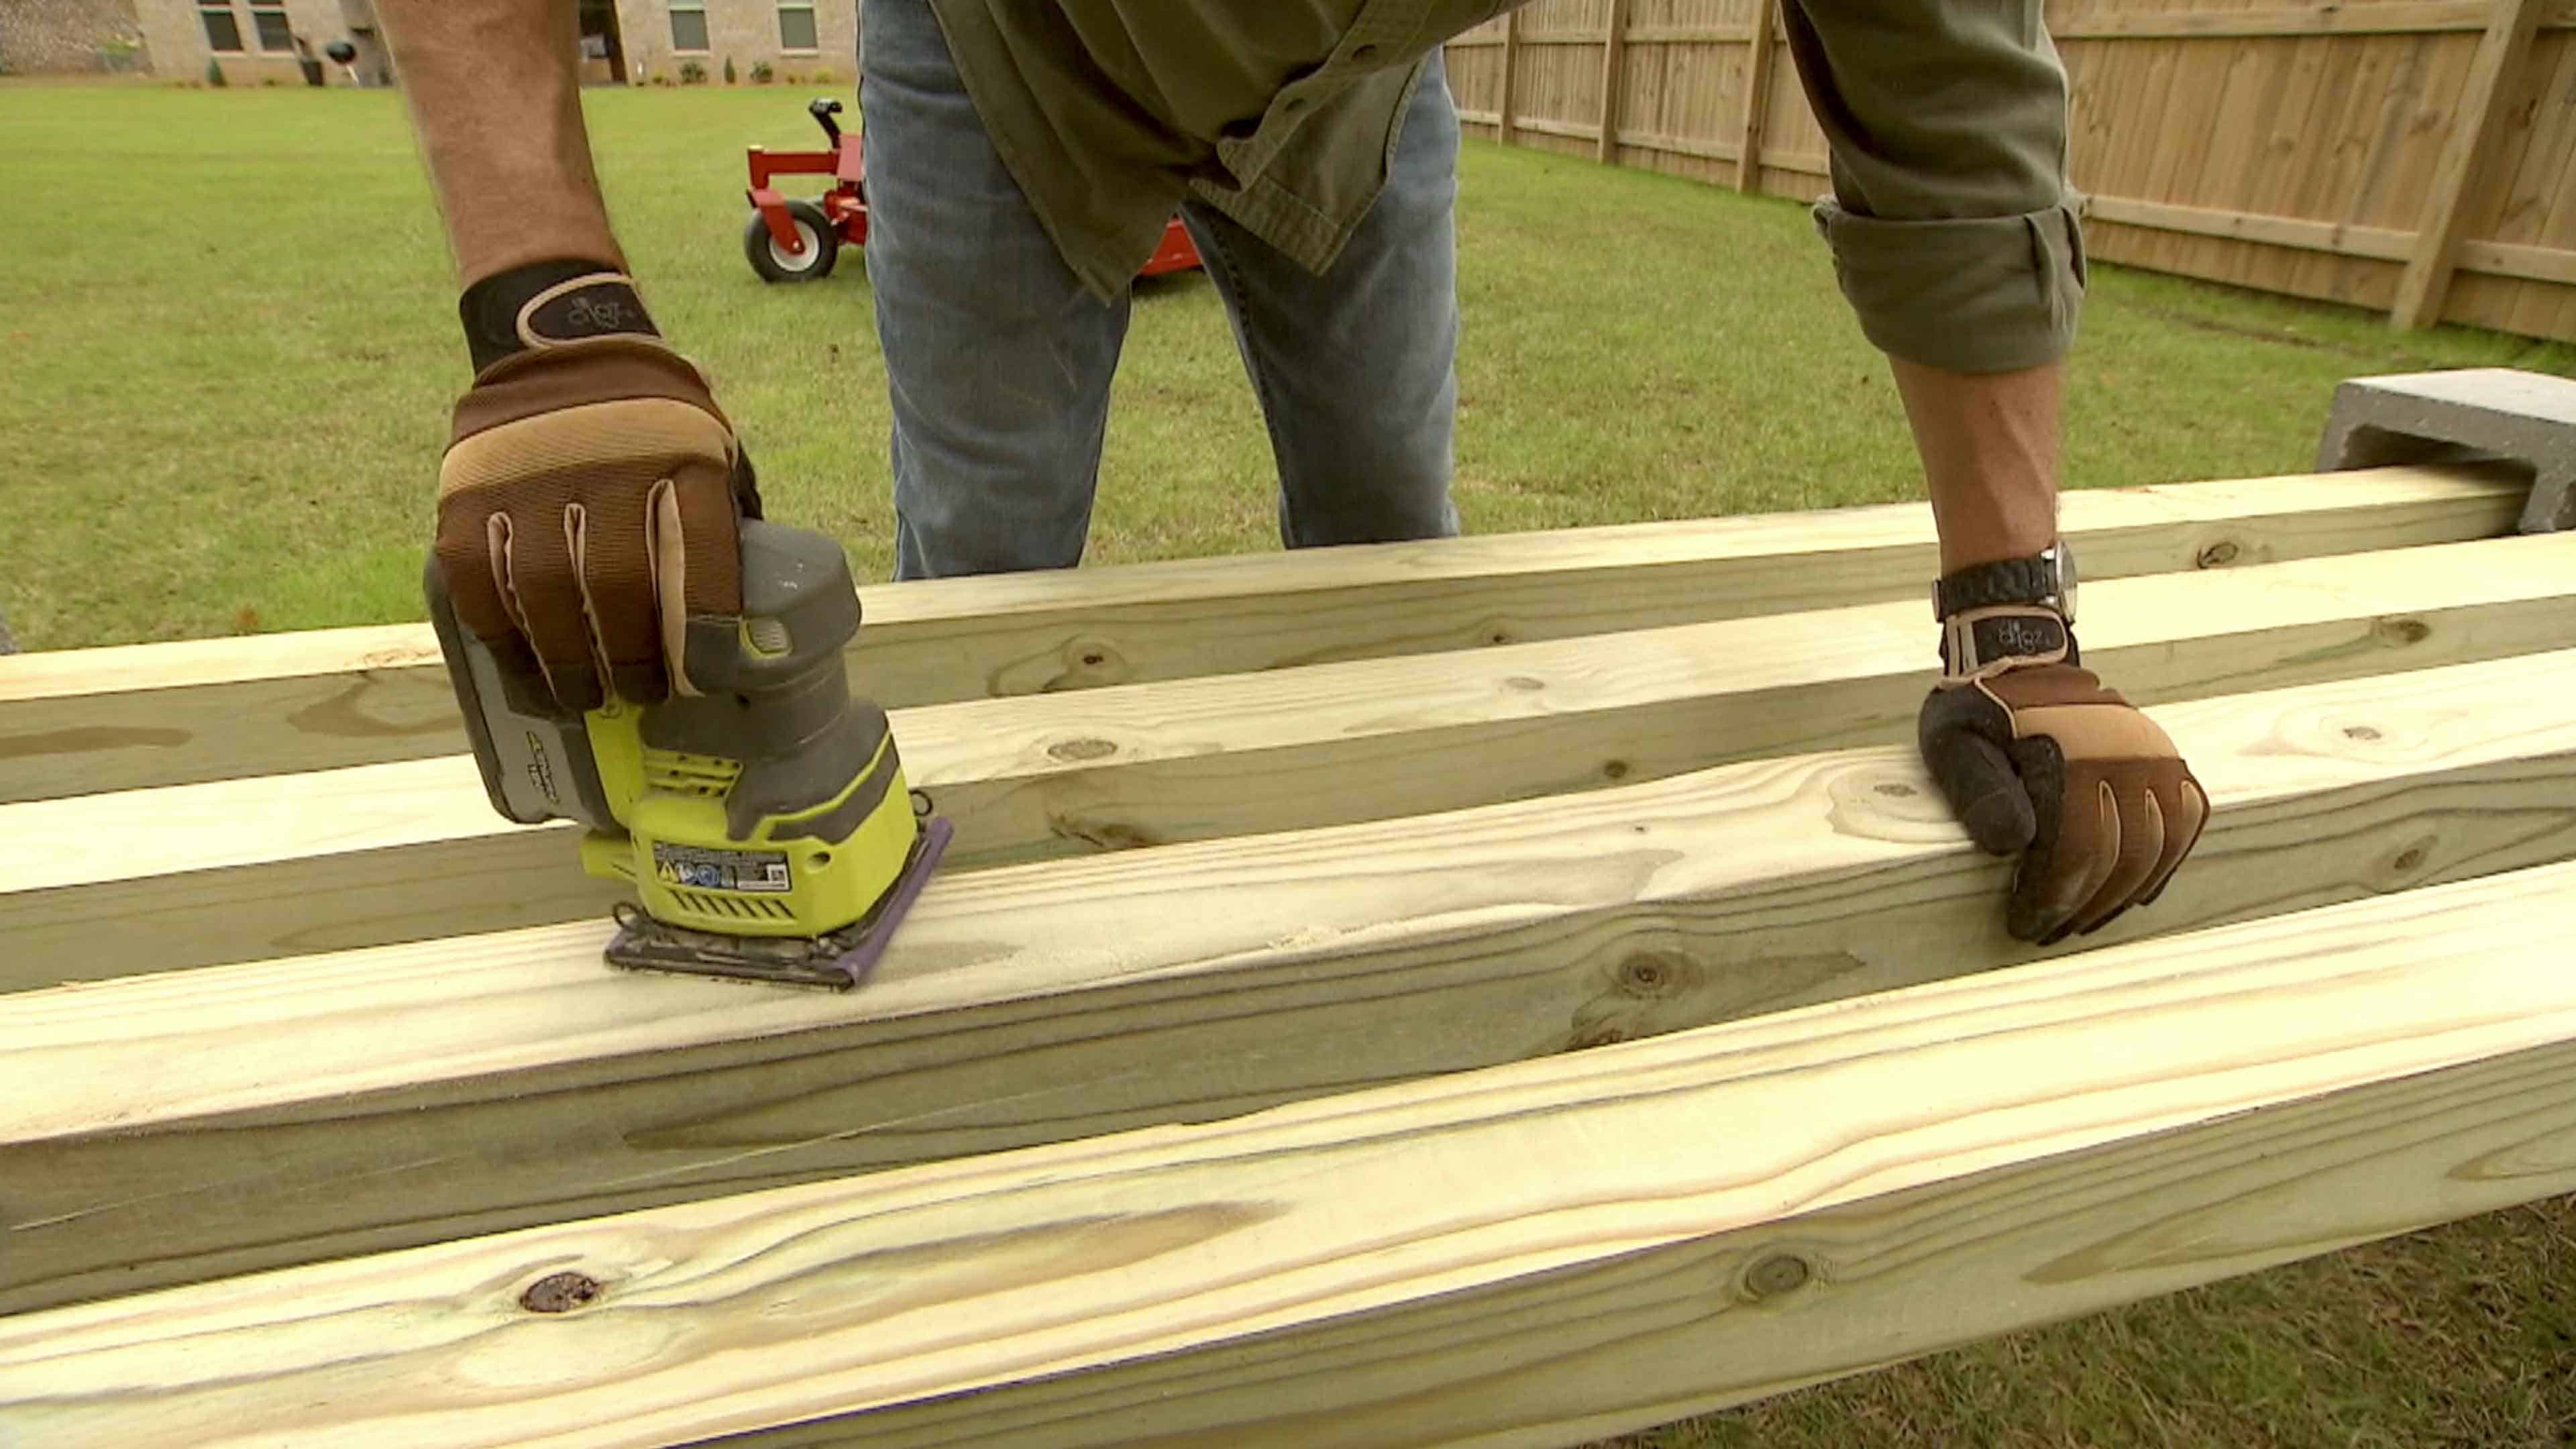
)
(1990, 585)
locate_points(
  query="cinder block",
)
(2470, 412)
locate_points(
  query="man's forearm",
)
(1989, 448)
(496, 102)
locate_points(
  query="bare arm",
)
(497, 105)
(1989, 447)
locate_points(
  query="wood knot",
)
(1894, 789)
(2219, 555)
(2402, 632)
(1615, 770)
(561, 1293)
(1073, 752)
(1498, 636)
(1777, 1274)
(1651, 973)
(1523, 684)
(2364, 733)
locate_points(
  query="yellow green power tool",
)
(764, 822)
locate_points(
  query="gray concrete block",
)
(2469, 412)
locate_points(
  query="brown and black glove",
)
(591, 491)
(2037, 757)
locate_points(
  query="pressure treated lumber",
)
(105, 886)
(531, 1083)
(90, 721)
(1475, 1258)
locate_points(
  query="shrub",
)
(760, 72)
(215, 74)
(728, 70)
(692, 73)
(824, 76)
(795, 78)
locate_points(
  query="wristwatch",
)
(2045, 579)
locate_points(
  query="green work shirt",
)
(1951, 225)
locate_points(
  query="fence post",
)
(1511, 63)
(2501, 51)
(1614, 79)
(1757, 97)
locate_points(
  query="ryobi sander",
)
(764, 822)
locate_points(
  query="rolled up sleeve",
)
(1953, 230)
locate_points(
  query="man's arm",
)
(1955, 242)
(1989, 448)
(590, 497)
(496, 102)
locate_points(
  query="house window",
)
(796, 28)
(689, 27)
(223, 28)
(269, 17)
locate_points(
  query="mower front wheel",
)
(775, 263)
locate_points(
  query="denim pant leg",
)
(1357, 369)
(997, 360)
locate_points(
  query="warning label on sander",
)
(721, 870)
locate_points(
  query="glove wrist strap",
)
(547, 304)
(1981, 643)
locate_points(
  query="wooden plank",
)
(1686, 34)
(2546, 264)
(1678, 145)
(1758, 62)
(1614, 80)
(1546, 126)
(2380, 243)
(2420, 292)
(104, 886)
(2404, 17)
(1466, 1260)
(88, 721)
(2535, 264)
(534, 1084)
(1511, 73)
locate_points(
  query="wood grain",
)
(1039, 1003)
(1467, 1259)
(91, 721)
(238, 870)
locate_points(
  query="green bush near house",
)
(215, 74)
(692, 73)
(728, 70)
(760, 73)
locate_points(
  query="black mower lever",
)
(823, 109)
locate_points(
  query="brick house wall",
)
(183, 36)
(61, 37)
(746, 31)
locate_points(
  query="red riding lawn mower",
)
(795, 240)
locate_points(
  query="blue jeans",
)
(998, 361)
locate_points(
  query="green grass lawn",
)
(230, 346)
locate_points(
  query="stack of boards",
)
(1496, 992)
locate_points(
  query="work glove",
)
(2037, 757)
(590, 496)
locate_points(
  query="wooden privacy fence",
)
(2413, 156)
